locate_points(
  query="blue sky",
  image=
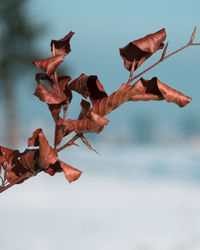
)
(101, 28)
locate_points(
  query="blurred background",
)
(143, 191)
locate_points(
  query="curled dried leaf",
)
(50, 64)
(55, 110)
(10, 155)
(71, 174)
(62, 46)
(2, 159)
(56, 95)
(90, 123)
(85, 106)
(88, 86)
(63, 127)
(28, 160)
(47, 96)
(136, 52)
(146, 90)
(17, 170)
(47, 155)
(53, 169)
(142, 90)
(34, 140)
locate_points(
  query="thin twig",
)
(55, 77)
(69, 143)
(85, 141)
(131, 72)
(65, 108)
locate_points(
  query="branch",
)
(22, 178)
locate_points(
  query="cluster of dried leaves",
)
(56, 91)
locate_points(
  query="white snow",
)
(134, 198)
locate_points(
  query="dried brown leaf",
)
(10, 155)
(47, 96)
(146, 90)
(88, 86)
(28, 160)
(54, 168)
(62, 46)
(85, 106)
(56, 95)
(71, 174)
(17, 170)
(63, 127)
(50, 64)
(90, 123)
(34, 140)
(47, 155)
(142, 90)
(2, 159)
(55, 110)
(136, 52)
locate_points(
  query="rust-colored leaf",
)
(147, 90)
(47, 155)
(56, 94)
(63, 127)
(85, 106)
(47, 96)
(71, 174)
(62, 46)
(28, 159)
(142, 90)
(17, 170)
(55, 110)
(2, 159)
(50, 64)
(136, 52)
(34, 140)
(44, 77)
(88, 86)
(10, 155)
(54, 168)
(90, 123)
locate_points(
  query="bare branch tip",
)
(193, 34)
(85, 141)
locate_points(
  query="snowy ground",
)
(129, 198)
